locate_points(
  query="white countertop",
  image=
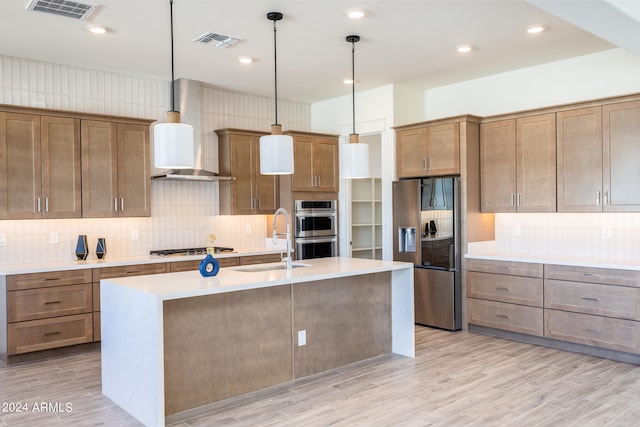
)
(185, 284)
(488, 251)
(114, 262)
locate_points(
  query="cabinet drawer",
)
(35, 335)
(51, 278)
(195, 264)
(259, 259)
(605, 332)
(604, 300)
(41, 303)
(501, 287)
(128, 270)
(505, 267)
(509, 317)
(594, 275)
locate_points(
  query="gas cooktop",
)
(189, 251)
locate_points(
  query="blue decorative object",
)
(82, 250)
(209, 266)
(101, 248)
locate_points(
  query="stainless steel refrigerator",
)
(426, 227)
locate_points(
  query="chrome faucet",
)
(284, 212)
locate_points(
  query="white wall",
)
(600, 75)
(182, 214)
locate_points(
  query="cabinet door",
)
(303, 178)
(411, 152)
(443, 149)
(134, 179)
(266, 190)
(621, 150)
(579, 161)
(61, 168)
(99, 169)
(536, 163)
(498, 166)
(325, 164)
(21, 166)
(243, 165)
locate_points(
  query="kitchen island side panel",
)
(224, 345)
(132, 355)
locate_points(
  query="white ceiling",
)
(402, 42)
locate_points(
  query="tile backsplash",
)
(604, 235)
(183, 214)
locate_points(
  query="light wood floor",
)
(456, 379)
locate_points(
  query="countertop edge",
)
(593, 262)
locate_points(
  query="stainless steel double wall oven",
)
(316, 228)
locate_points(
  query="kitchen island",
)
(178, 341)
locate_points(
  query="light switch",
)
(302, 338)
(135, 235)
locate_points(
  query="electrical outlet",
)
(53, 237)
(135, 234)
(302, 338)
(606, 232)
(3, 239)
(247, 228)
(517, 231)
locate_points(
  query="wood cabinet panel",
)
(316, 166)
(604, 300)
(597, 331)
(134, 176)
(505, 267)
(96, 296)
(128, 270)
(97, 335)
(505, 288)
(195, 264)
(428, 150)
(35, 335)
(579, 161)
(46, 279)
(498, 166)
(510, 317)
(411, 146)
(592, 274)
(99, 169)
(42, 303)
(259, 259)
(621, 151)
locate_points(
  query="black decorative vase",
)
(101, 248)
(82, 251)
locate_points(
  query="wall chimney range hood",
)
(188, 92)
(199, 175)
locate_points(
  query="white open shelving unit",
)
(366, 218)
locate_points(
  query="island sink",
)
(267, 267)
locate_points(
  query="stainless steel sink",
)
(267, 267)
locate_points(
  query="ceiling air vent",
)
(70, 9)
(220, 39)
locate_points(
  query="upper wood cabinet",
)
(115, 169)
(40, 174)
(316, 165)
(518, 164)
(250, 192)
(424, 150)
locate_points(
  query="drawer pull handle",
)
(52, 302)
(52, 333)
(502, 288)
(133, 272)
(590, 275)
(591, 331)
(502, 316)
(50, 279)
(590, 299)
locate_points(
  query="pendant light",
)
(173, 143)
(276, 150)
(354, 157)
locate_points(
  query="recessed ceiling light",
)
(97, 29)
(355, 14)
(245, 60)
(464, 48)
(535, 29)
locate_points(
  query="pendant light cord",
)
(353, 83)
(173, 89)
(275, 68)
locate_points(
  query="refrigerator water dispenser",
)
(406, 239)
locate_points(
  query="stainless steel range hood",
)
(188, 92)
(192, 175)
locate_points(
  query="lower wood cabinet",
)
(259, 259)
(596, 307)
(43, 334)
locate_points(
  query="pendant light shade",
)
(354, 156)
(276, 150)
(173, 143)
